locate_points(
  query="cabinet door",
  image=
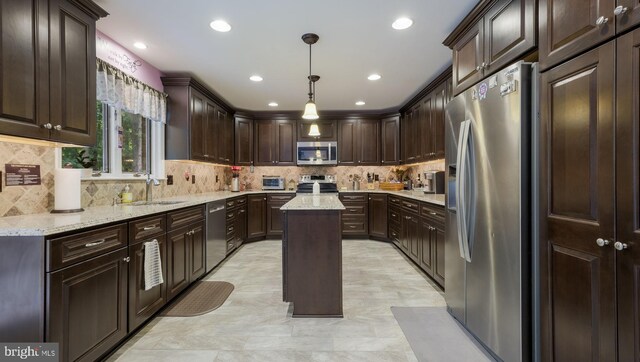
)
(509, 31)
(568, 27)
(410, 139)
(437, 243)
(256, 216)
(390, 137)
(347, 147)
(143, 304)
(241, 225)
(244, 142)
(24, 105)
(87, 306)
(468, 58)
(198, 126)
(265, 138)
(274, 218)
(437, 120)
(627, 198)
(577, 285)
(631, 16)
(72, 74)
(426, 260)
(225, 138)
(378, 215)
(368, 142)
(178, 269)
(197, 257)
(286, 143)
(211, 131)
(425, 132)
(230, 137)
(411, 230)
(328, 131)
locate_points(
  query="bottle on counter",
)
(316, 188)
(376, 181)
(127, 196)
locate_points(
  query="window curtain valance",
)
(120, 90)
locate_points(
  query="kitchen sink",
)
(148, 203)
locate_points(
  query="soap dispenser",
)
(127, 196)
(316, 188)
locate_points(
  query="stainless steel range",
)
(327, 184)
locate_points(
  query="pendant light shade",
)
(310, 112)
(314, 131)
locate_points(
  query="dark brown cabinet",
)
(378, 216)
(143, 304)
(274, 214)
(177, 261)
(506, 31)
(87, 306)
(236, 209)
(186, 258)
(256, 216)
(578, 293)
(275, 142)
(328, 130)
(410, 134)
(199, 126)
(409, 235)
(390, 140)
(359, 142)
(244, 141)
(48, 70)
(355, 217)
(197, 251)
(431, 236)
(426, 261)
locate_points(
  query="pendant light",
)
(310, 110)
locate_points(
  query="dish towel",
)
(152, 265)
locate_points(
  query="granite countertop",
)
(314, 202)
(48, 224)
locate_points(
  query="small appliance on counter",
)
(273, 183)
(434, 182)
(67, 190)
(327, 184)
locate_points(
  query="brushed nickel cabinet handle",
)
(88, 245)
(126, 260)
(602, 20)
(620, 246)
(150, 227)
(620, 10)
(602, 242)
(47, 126)
(57, 127)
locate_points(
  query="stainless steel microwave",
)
(318, 153)
(272, 183)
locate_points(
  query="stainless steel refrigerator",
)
(488, 187)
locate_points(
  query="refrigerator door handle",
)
(460, 188)
(468, 214)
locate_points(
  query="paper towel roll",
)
(67, 190)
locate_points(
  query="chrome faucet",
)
(149, 190)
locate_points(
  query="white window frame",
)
(157, 135)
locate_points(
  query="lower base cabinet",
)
(143, 304)
(274, 214)
(87, 305)
(177, 262)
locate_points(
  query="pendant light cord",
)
(310, 90)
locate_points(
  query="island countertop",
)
(314, 202)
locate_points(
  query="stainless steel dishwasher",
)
(216, 228)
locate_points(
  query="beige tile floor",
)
(255, 325)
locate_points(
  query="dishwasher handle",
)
(211, 211)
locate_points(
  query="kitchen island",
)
(312, 255)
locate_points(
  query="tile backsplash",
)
(23, 200)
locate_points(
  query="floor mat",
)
(201, 298)
(435, 336)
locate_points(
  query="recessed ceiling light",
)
(402, 23)
(360, 103)
(374, 76)
(273, 104)
(220, 25)
(256, 78)
(140, 45)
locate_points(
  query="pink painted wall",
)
(115, 54)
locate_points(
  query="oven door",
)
(317, 153)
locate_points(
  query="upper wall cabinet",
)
(569, 27)
(199, 126)
(495, 34)
(48, 69)
(244, 141)
(328, 130)
(390, 140)
(275, 142)
(359, 142)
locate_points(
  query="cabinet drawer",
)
(410, 205)
(231, 231)
(74, 248)
(231, 214)
(280, 198)
(394, 234)
(230, 245)
(353, 197)
(146, 228)
(432, 211)
(359, 210)
(354, 226)
(240, 212)
(394, 200)
(185, 217)
(231, 203)
(394, 215)
(241, 201)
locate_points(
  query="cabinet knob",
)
(620, 10)
(277, 161)
(57, 127)
(602, 20)
(265, 199)
(47, 126)
(478, 68)
(206, 155)
(602, 242)
(620, 246)
(126, 260)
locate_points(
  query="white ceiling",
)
(356, 39)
